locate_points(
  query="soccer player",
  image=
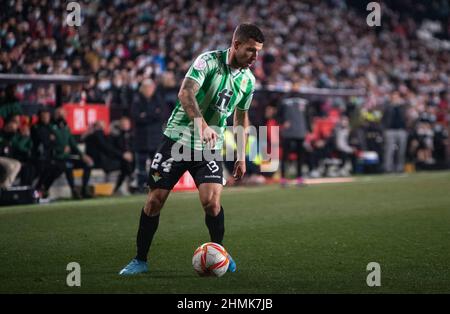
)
(216, 84)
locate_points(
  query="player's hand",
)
(239, 170)
(209, 136)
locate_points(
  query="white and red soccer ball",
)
(210, 259)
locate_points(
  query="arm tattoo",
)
(188, 90)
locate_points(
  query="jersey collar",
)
(234, 72)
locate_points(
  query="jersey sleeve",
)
(199, 69)
(245, 103)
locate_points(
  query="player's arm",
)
(186, 95)
(240, 127)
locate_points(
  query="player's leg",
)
(164, 174)
(148, 224)
(208, 176)
(214, 216)
(149, 221)
(210, 194)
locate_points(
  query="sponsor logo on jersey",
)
(212, 177)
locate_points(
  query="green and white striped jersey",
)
(222, 89)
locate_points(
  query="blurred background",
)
(349, 99)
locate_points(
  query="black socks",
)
(216, 226)
(148, 226)
(147, 229)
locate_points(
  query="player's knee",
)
(211, 207)
(153, 205)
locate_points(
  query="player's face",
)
(247, 52)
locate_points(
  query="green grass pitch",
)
(317, 239)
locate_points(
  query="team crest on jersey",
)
(244, 84)
(200, 64)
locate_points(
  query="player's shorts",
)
(165, 170)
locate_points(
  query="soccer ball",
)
(210, 259)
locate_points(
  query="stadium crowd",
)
(123, 44)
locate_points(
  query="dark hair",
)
(244, 32)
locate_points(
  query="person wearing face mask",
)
(93, 95)
(10, 40)
(119, 103)
(104, 84)
(98, 89)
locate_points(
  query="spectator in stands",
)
(19, 146)
(69, 157)
(23, 151)
(119, 97)
(123, 141)
(48, 170)
(104, 153)
(8, 143)
(422, 143)
(100, 149)
(343, 147)
(147, 113)
(295, 126)
(9, 104)
(319, 144)
(443, 113)
(324, 44)
(395, 134)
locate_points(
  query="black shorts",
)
(165, 171)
